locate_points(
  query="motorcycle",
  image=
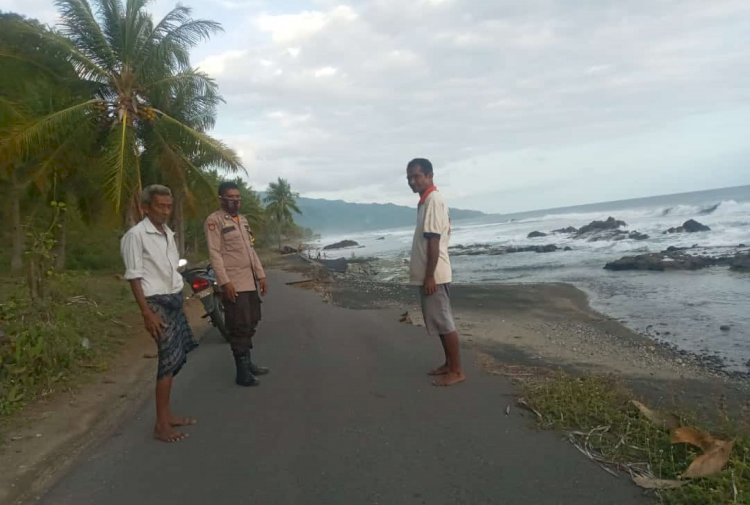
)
(202, 281)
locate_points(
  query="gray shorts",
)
(436, 310)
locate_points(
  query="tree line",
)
(93, 110)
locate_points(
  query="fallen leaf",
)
(712, 461)
(654, 483)
(507, 410)
(693, 436)
(669, 421)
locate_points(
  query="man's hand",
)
(154, 325)
(263, 288)
(228, 292)
(429, 286)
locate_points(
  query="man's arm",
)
(154, 324)
(435, 218)
(259, 272)
(131, 250)
(212, 230)
(433, 253)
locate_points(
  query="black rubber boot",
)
(245, 376)
(258, 370)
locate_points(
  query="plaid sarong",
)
(177, 338)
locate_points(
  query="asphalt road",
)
(347, 416)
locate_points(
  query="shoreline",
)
(547, 326)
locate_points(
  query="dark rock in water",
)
(489, 250)
(610, 224)
(341, 245)
(380, 238)
(602, 230)
(674, 258)
(635, 235)
(742, 245)
(675, 248)
(689, 226)
(740, 262)
(338, 265)
(569, 229)
(534, 248)
(665, 260)
(725, 327)
(692, 226)
(535, 234)
(615, 235)
(568, 248)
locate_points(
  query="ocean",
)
(684, 309)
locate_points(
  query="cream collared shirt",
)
(151, 256)
(432, 218)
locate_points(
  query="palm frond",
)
(46, 130)
(7, 54)
(11, 112)
(212, 150)
(44, 170)
(173, 45)
(137, 27)
(80, 27)
(111, 14)
(122, 171)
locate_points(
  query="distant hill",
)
(338, 216)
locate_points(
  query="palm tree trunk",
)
(133, 214)
(61, 245)
(179, 221)
(16, 260)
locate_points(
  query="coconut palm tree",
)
(28, 94)
(280, 203)
(147, 100)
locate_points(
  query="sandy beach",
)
(537, 328)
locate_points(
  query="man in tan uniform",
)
(240, 274)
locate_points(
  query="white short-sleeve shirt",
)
(151, 256)
(432, 217)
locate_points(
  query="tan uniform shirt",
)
(231, 251)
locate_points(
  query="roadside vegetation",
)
(52, 344)
(683, 463)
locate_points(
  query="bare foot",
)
(182, 421)
(449, 379)
(441, 370)
(169, 435)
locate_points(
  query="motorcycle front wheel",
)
(217, 319)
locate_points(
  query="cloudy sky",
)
(520, 105)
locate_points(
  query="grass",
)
(602, 422)
(52, 344)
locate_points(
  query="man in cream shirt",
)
(430, 269)
(150, 255)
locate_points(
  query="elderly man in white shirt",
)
(150, 255)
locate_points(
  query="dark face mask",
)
(231, 206)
